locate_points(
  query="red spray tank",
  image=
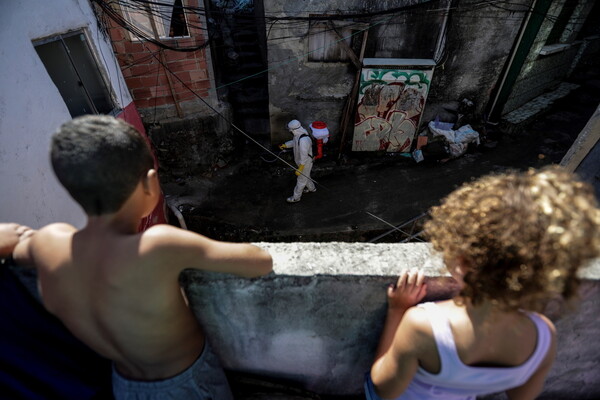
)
(321, 135)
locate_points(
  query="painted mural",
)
(390, 104)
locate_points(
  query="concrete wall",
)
(540, 72)
(189, 147)
(315, 322)
(468, 65)
(478, 44)
(31, 108)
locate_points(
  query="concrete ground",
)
(363, 195)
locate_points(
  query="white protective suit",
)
(302, 156)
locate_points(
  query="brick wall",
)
(147, 79)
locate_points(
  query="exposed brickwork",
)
(147, 79)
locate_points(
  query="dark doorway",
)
(239, 51)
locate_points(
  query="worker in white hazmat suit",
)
(302, 145)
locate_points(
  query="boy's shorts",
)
(204, 379)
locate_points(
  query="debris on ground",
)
(447, 141)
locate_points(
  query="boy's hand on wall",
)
(10, 235)
(408, 291)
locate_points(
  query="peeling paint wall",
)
(477, 48)
(191, 146)
(31, 107)
(477, 43)
(542, 72)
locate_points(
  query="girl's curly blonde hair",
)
(522, 235)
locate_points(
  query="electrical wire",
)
(276, 156)
(280, 19)
(150, 7)
(137, 32)
(141, 5)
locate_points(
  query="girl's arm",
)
(396, 359)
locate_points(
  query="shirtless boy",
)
(116, 289)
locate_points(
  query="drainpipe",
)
(527, 35)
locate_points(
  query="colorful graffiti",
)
(390, 104)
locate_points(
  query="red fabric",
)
(319, 125)
(131, 115)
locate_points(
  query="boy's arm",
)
(396, 359)
(533, 387)
(187, 249)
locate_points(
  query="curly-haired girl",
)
(513, 242)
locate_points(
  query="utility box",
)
(391, 100)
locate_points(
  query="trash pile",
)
(446, 143)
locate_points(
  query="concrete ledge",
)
(315, 322)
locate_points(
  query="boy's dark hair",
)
(99, 160)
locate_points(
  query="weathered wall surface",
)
(542, 72)
(312, 90)
(191, 146)
(467, 66)
(540, 75)
(31, 107)
(175, 95)
(315, 322)
(478, 45)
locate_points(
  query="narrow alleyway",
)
(359, 199)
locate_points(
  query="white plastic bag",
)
(466, 134)
(458, 140)
(437, 129)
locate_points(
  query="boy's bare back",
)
(114, 288)
(119, 293)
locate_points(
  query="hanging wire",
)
(276, 156)
(141, 36)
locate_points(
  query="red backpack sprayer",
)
(320, 134)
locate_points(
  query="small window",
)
(73, 69)
(167, 16)
(324, 41)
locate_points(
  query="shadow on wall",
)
(190, 147)
(316, 326)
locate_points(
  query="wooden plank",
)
(587, 139)
(355, 60)
(349, 109)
